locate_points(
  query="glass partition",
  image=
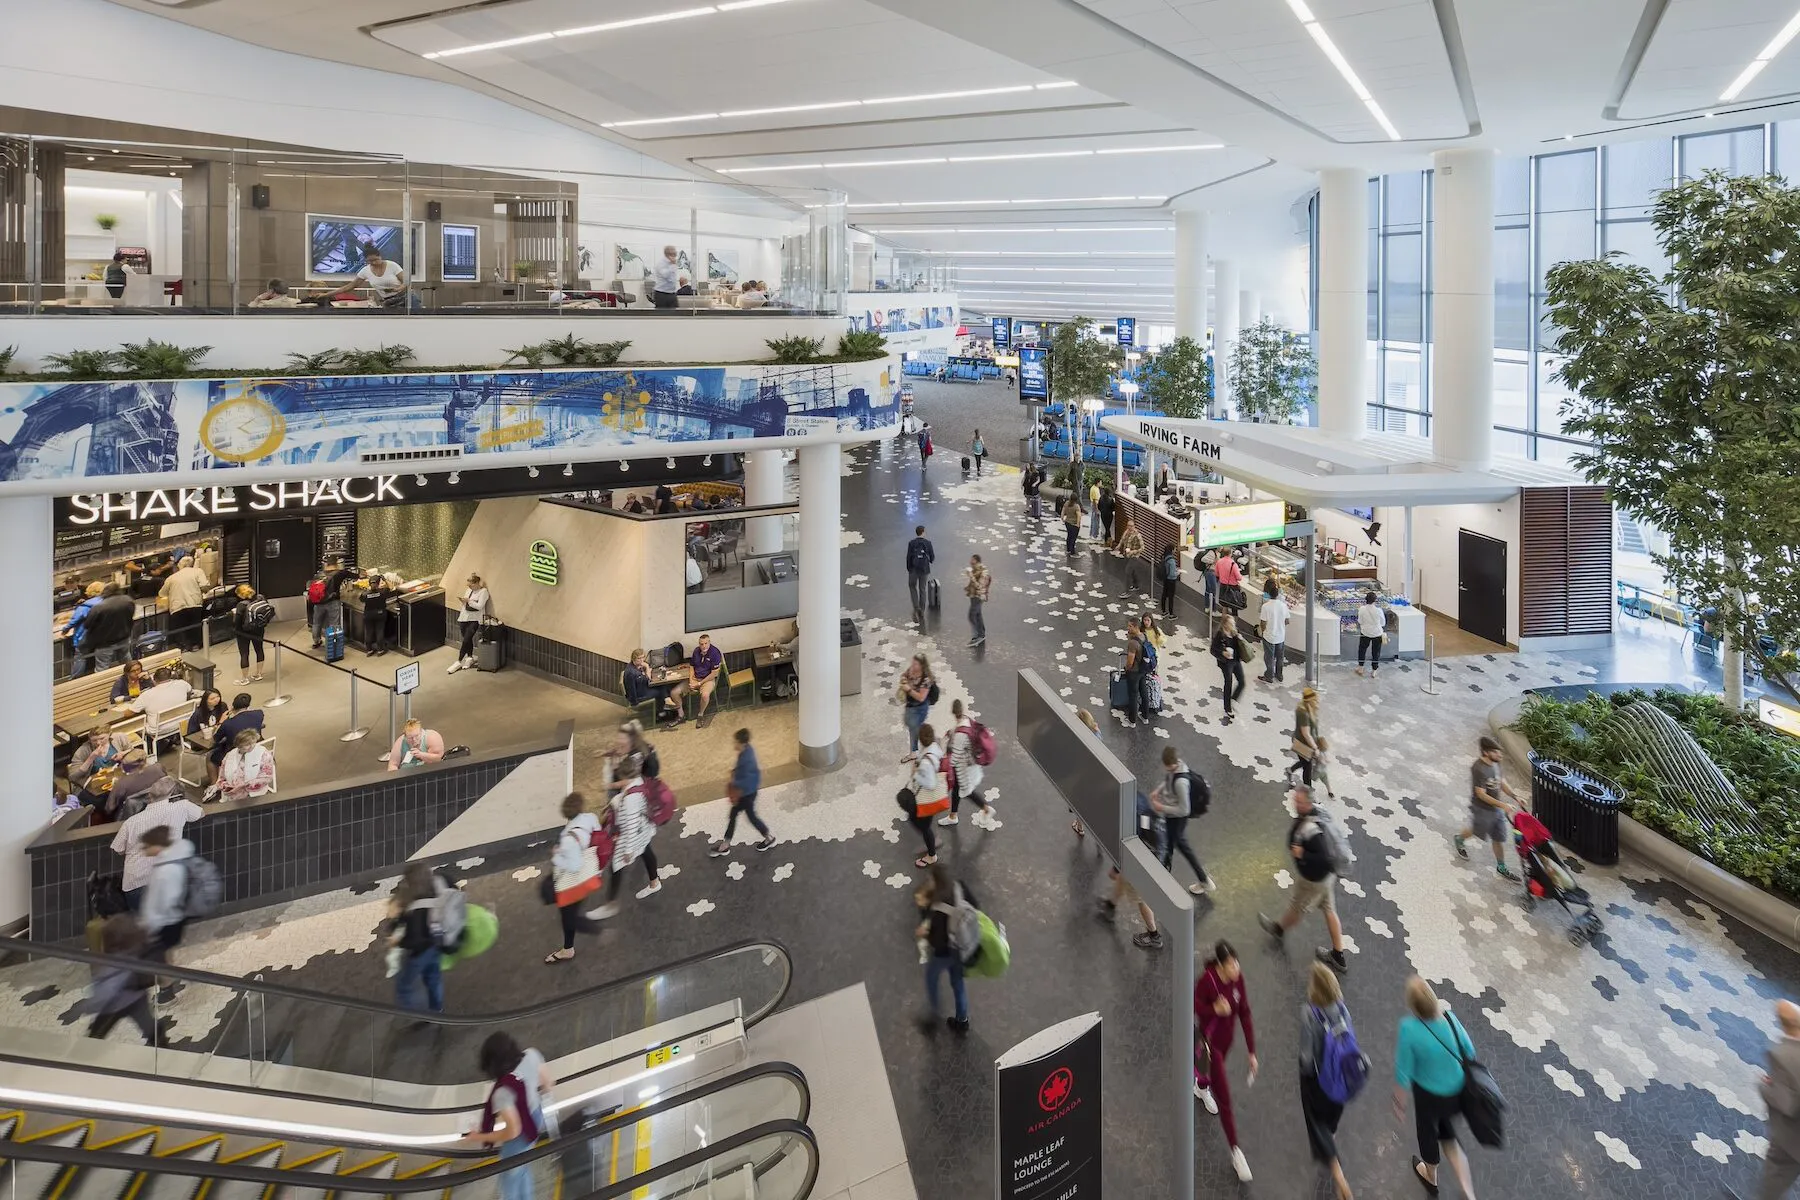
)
(743, 570)
(146, 228)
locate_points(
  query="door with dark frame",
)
(1481, 585)
(284, 555)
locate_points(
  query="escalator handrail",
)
(695, 1158)
(10, 946)
(40, 1151)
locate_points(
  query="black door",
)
(1481, 585)
(284, 556)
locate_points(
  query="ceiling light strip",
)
(963, 158)
(1776, 45)
(704, 10)
(1316, 31)
(921, 98)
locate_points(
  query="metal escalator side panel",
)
(36, 1180)
(90, 1183)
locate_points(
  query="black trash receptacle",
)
(850, 658)
(1581, 812)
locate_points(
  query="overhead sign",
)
(1026, 333)
(1236, 524)
(406, 679)
(1181, 444)
(106, 508)
(1779, 716)
(1127, 330)
(542, 565)
(1048, 1114)
(1034, 374)
(1002, 332)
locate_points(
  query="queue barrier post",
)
(355, 732)
(279, 698)
(392, 735)
(1430, 687)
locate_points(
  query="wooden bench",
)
(89, 694)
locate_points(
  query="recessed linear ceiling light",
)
(683, 14)
(1776, 45)
(919, 99)
(1029, 200)
(926, 229)
(966, 158)
(1317, 32)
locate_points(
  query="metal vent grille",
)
(423, 454)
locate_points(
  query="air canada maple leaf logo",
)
(1055, 1089)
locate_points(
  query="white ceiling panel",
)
(1699, 49)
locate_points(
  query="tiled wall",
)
(286, 847)
(414, 539)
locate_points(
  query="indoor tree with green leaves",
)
(1178, 379)
(1690, 404)
(1082, 365)
(1272, 372)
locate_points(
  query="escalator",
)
(277, 1093)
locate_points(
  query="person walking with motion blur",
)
(575, 871)
(513, 1116)
(1220, 1004)
(1316, 847)
(632, 832)
(1428, 1061)
(1332, 1069)
(1229, 651)
(1180, 797)
(410, 914)
(1780, 1086)
(1491, 800)
(977, 582)
(948, 906)
(925, 791)
(919, 557)
(1093, 727)
(121, 992)
(1307, 745)
(746, 781)
(977, 451)
(967, 737)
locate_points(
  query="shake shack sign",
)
(1049, 1119)
(1180, 444)
(183, 504)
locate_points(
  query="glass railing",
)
(255, 1034)
(753, 1121)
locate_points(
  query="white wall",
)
(257, 341)
(142, 205)
(1435, 556)
(54, 57)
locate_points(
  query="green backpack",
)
(996, 953)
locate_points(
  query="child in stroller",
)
(1548, 876)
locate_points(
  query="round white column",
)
(1343, 298)
(1462, 308)
(1249, 308)
(1225, 332)
(763, 471)
(25, 709)
(821, 512)
(1190, 275)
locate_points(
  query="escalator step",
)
(155, 1185)
(107, 1184)
(37, 1180)
(264, 1157)
(312, 1159)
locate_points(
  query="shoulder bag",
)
(1483, 1107)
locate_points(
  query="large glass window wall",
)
(1548, 209)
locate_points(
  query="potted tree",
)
(1082, 365)
(1272, 373)
(1179, 379)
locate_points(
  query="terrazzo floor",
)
(1629, 1065)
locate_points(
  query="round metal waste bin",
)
(849, 658)
(1582, 812)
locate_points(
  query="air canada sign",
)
(1180, 443)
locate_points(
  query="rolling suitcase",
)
(490, 647)
(1118, 692)
(334, 645)
(1154, 687)
(965, 464)
(933, 598)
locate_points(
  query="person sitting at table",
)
(129, 793)
(130, 683)
(415, 746)
(633, 505)
(708, 665)
(242, 717)
(275, 296)
(639, 689)
(753, 294)
(168, 691)
(248, 769)
(207, 714)
(103, 748)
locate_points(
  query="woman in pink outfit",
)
(1220, 1000)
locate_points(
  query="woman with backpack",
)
(1428, 1061)
(1220, 1003)
(513, 1116)
(632, 832)
(925, 794)
(575, 871)
(943, 904)
(916, 688)
(967, 739)
(1326, 1037)
(409, 929)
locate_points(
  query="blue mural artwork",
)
(81, 430)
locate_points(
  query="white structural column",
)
(1249, 308)
(25, 712)
(1462, 307)
(1190, 275)
(763, 486)
(1343, 298)
(821, 513)
(1225, 331)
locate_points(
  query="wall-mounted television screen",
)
(334, 247)
(462, 253)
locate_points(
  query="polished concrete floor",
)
(1629, 1065)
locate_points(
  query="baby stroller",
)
(1548, 876)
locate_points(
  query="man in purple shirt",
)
(708, 665)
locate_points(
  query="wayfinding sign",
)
(1047, 1115)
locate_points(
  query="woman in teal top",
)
(1429, 1060)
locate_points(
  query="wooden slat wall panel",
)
(1565, 562)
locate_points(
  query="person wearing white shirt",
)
(172, 812)
(1272, 623)
(386, 280)
(169, 699)
(476, 602)
(666, 279)
(1371, 626)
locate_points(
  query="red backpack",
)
(981, 744)
(659, 800)
(602, 841)
(315, 592)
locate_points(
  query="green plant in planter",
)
(605, 354)
(1179, 380)
(1272, 373)
(532, 355)
(106, 221)
(862, 343)
(152, 359)
(383, 360)
(523, 268)
(7, 354)
(322, 363)
(82, 364)
(795, 349)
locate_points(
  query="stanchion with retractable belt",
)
(1430, 687)
(355, 732)
(406, 682)
(279, 698)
